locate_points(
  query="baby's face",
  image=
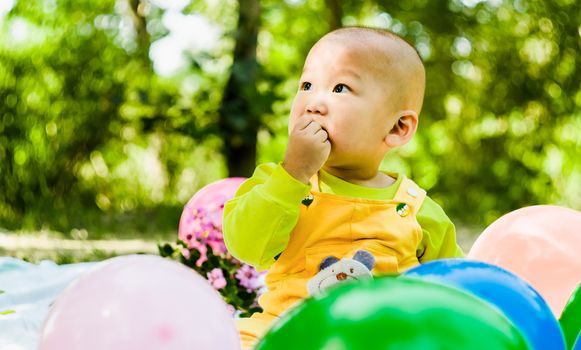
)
(348, 95)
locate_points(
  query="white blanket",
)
(28, 290)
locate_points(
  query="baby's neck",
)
(373, 179)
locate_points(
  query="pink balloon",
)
(139, 302)
(201, 219)
(542, 245)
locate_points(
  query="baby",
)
(359, 97)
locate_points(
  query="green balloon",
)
(393, 313)
(571, 318)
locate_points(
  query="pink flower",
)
(186, 253)
(203, 257)
(216, 278)
(248, 277)
(218, 247)
(202, 227)
(231, 309)
(203, 252)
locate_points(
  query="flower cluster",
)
(203, 227)
(201, 247)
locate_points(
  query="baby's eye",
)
(339, 88)
(306, 86)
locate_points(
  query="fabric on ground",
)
(28, 290)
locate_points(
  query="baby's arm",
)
(259, 219)
(439, 233)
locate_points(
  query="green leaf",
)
(165, 250)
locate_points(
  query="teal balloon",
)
(571, 320)
(394, 313)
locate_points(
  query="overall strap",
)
(411, 194)
(408, 192)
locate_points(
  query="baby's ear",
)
(403, 130)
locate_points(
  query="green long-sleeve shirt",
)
(258, 221)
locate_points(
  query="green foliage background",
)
(92, 137)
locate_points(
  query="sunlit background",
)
(113, 113)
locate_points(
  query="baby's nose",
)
(314, 110)
(341, 276)
(317, 106)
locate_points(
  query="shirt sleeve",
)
(439, 234)
(259, 219)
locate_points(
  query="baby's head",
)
(365, 87)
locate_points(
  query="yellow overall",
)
(338, 226)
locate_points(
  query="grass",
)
(93, 224)
(70, 251)
(80, 235)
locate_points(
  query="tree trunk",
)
(336, 14)
(240, 112)
(137, 9)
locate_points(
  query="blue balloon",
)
(513, 296)
(577, 345)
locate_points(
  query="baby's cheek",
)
(291, 124)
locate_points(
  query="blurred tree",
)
(88, 119)
(138, 9)
(336, 14)
(240, 111)
(502, 83)
(59, 95)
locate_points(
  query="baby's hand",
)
(307, 150)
